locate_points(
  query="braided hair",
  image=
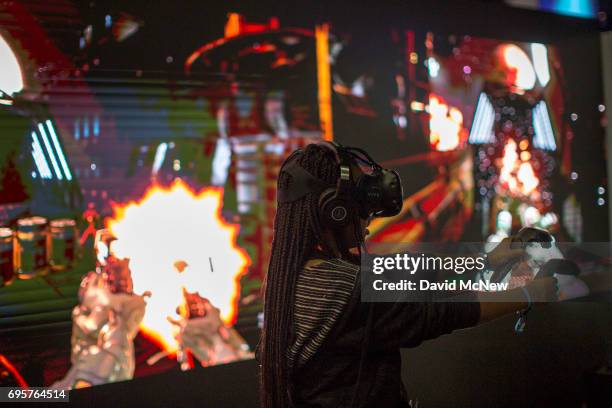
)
(298, 233)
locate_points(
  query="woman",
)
(321, 346)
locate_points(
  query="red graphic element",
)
(90, 216)
(4, 362)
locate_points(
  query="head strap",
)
(302, 183)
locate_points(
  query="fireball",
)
(176, 238)
(445, 125)
(517, 175)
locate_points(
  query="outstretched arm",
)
(498, 304)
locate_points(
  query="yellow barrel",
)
(33, 242)
(63, 243)
(7, 263)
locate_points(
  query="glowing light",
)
(539, 53)
(509, 158)
(160, 156)
(39, 158)
(521, 72)
(402, 122)
(11, 80)
(358, 87)
(56, 169)
(527, 177)
(58, 149)
(233, 25)
(417, 106)
(484, 118)
(445, 125)
(504, 221)
(85, 127)
(177, 224)
(433, 67)
(549, 219)
(96, 126)
(525, 156)
(530, 216)
(324, 81)
(544, 136)
(518, 177)
(124, 27)
(222, 160)
(414, 58)
(576, 8)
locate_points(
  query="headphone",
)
(377, 194)
(335, 204)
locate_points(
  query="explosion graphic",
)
(176, 238)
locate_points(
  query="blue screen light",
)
(574, 8)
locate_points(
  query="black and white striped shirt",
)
(321, 295)
(330, 331)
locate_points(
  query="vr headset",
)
(375, 192)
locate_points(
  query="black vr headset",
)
(377, 192)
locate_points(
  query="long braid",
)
(297, 232)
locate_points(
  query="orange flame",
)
(176, 225)
(516, 174)
(445, 125)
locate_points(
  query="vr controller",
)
(543, 254)
(529, 235)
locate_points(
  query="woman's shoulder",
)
(331, 264)
(325, 289)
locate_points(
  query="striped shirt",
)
(321, 296)
(330, 329)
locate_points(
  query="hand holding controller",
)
(566, 272)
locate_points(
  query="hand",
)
(544, 290)
(503, 253)
(571, 287)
